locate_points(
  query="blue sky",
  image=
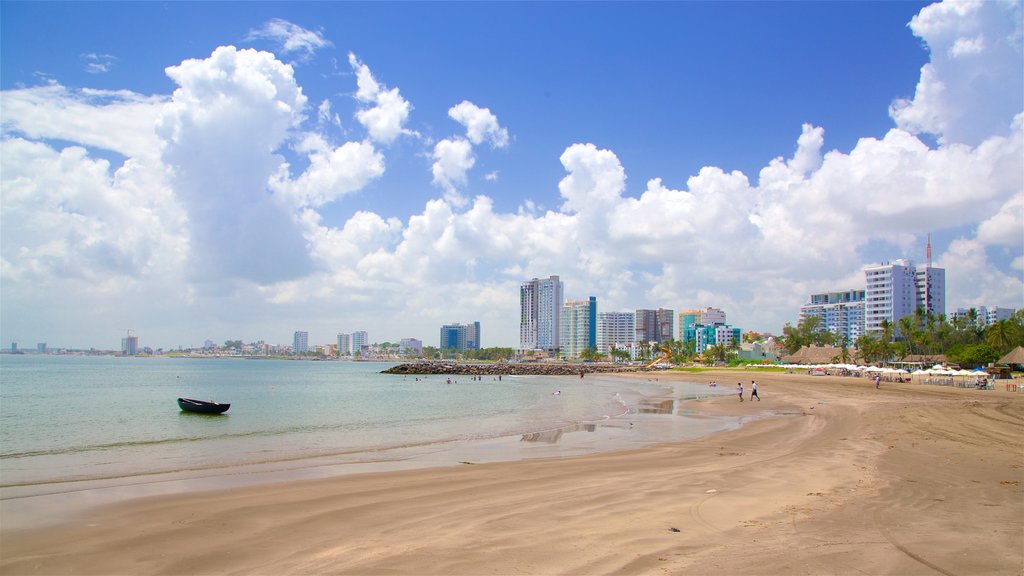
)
(244, 170)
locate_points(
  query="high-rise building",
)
(896, 289)
(540, 305)
(130, 345)
(984, 315)
(360, 343)
(344, 345)
(410, 347)
(654, 325)
(698, 316)
(460, 337)
(300, 344)
(615, 330)
(841, 313)
(579, 327)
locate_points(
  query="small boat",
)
(190, 405)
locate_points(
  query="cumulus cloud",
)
(208, 197)
(480, 124)
(972, 85)
(119, 121)
(385, 119)
(291, 38)
(332, 172)
(453, 158)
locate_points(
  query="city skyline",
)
(199, 171)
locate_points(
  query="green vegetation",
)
(961, 340)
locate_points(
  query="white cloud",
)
(290, 37)
(480, 124)
(972, 87)
(205, 214)
(452, 160)
(97, 63)
(120, 121)
(384, 120)
(333, 172)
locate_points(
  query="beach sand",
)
(836, 478)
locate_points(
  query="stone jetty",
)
(508, 368)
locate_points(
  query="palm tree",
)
(1000, 336)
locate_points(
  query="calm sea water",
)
(66, 419)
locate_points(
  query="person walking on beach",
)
(739, 388)
(878, 380)
(753, 391)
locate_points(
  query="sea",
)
(108, 427)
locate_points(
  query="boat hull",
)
(202, 407)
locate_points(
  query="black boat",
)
(190, 405)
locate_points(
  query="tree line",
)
(963, 340)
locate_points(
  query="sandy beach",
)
(834, 477)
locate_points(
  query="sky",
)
(229, 170)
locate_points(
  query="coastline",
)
(828, 476)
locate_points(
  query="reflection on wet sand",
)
(553, 436)
(656, 406)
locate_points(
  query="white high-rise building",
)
(579, 327)
(896, 289)
(300, 343)
(344, 345)
(841, 313)
(360, 343)
(615, 330)
(540, 306)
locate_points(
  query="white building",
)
(540, 305)
(896, 289)
(841, 313)
(985, 315)
(344, 345)
(410, 347)
(579, 327)
(300, 342)
(360, 343)
(615, 330)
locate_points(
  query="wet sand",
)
(836, 478)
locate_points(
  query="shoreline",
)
(839, 478)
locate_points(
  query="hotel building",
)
(986, 315)
(300, 342)
(896, 289)
(578, 327)
(615, 330)
(841, 313)
(654, 325)
(360, 343)
(460, 337)
(344, 345)
(540, 306)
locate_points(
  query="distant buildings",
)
(130, 345)
(706, 327)
(540, 309)
(896, 289)
(410, 347)
(984, 315)
(654, 325)
(615, 330)
(460, 337)
(842, 313)
(344, 345)
(578, 327)
(300, 342)
(360, 343)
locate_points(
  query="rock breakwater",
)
(508, 368)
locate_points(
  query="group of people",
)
(753, 391)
